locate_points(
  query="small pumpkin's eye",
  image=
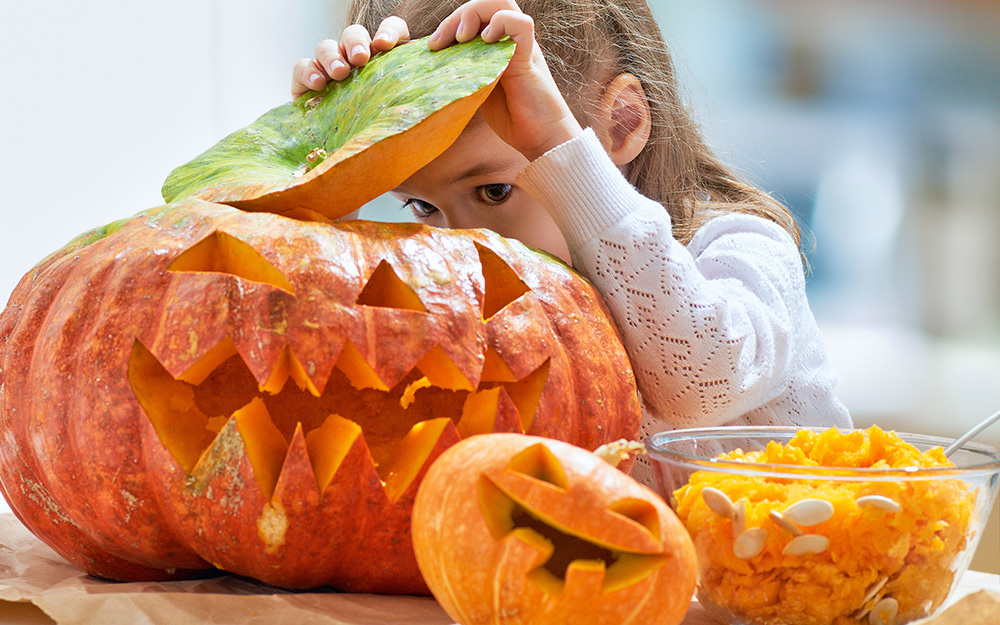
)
(494, 193)
(420, 208)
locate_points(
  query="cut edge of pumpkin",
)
(410, 456)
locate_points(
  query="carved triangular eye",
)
(539, 462)
(640, 511)
(386, 290)
(503, 286)
(220, 252)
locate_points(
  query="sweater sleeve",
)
(711, 328)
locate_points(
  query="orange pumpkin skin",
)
(137, 440)
(484, 505)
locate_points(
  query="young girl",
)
(597, 161)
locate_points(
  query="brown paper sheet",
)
(37, 586)
(31, 573)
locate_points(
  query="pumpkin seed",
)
(739, 517)
(884, 612)
(749, 543)
(809, 511)
(872, 595)
(780, 520)
(880, 502)
(805, 544)
(718, 502)
(874, 590)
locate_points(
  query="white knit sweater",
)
(719, 332)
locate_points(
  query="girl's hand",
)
(526, 109)
(334, 60)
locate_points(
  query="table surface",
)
(38, 587)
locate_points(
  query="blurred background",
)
(876, 121)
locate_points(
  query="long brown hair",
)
(588, 42)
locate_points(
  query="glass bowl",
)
(779, 542)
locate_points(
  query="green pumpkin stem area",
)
(327, 153)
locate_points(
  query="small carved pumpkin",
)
(521, 529)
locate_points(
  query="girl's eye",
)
(494, 193)
(420, 208)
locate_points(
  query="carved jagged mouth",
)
(399, 425)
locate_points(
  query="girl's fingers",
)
(356, 45)
(467, 20)
(335, 59)
(391, 32)
(516, 25)
(330, 57)
(307, 76)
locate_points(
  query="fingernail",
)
(358, 49)
(335, 65)
(382, 37)
(485, 33)
(313, 78)
(435, 36)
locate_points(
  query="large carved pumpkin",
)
(201, 386)
(206, 386)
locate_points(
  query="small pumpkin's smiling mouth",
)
(526, 502)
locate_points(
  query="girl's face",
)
(471, 185)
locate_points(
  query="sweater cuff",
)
(580, 187)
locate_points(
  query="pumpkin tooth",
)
(479, 412)
(356, 368)
(265, 446)
(526, 392)
(328, 446)
(495, 369)
(288, 366)
(442, 372)
(411, 454)
(209, 362)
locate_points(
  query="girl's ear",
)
(622, 121)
